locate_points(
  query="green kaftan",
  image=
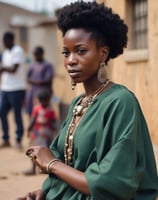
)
(112, 146)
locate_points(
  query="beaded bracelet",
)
(50, 163)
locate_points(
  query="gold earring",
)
(102, 74)
(73, 84)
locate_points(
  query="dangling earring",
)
(102, 74)
(73, 84)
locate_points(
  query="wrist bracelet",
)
(50, 163)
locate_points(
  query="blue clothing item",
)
(42, 72)
(14, 100)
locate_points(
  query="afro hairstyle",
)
(106, 27)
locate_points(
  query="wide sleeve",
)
(48, 181)
(120, 152)
(46, 185)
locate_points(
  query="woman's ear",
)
(104, 53)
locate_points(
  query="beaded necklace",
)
(78, 114)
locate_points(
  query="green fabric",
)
(112, 146)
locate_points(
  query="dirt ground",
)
(12, 163)
(12, 182)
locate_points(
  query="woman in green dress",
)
(103, 151)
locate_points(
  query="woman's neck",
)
(91, 88)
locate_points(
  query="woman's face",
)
(82, 56)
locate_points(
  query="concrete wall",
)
(138, 70)
(47, 38)
(7, 12)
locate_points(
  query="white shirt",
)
(17, 80)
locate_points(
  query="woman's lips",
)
(74, 73)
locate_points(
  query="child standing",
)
(42, 128)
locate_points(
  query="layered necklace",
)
(78, 113)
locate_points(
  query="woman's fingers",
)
(31, 196)
(21, 198)
(32, 151)
(29, 151)
(40, 155)
(35, 195)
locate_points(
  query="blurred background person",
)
(42, 128)
(40, 76)
(13, 84)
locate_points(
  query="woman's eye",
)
(81, 51)
(65, 53)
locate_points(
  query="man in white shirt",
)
(13, 84)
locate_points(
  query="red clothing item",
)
(44, 118)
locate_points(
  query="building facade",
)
(137, 67)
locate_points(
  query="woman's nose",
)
(72, 59)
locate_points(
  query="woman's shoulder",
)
(119, 90)
(120, 94)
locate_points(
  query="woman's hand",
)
(35, 195)
(73, 177)
(40, 155)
